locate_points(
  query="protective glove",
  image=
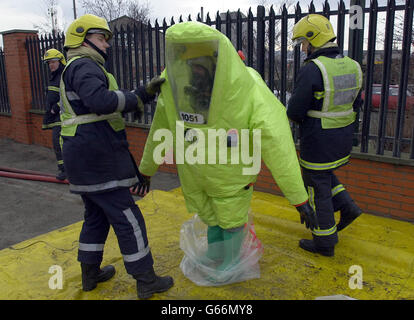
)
(154, 86)
(308, 216)
(141, 188)
(147, 94)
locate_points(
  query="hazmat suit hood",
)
(199, 54)
(209, 88)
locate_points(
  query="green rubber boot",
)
(232, 244)
(215, 249)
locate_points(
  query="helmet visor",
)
(298, 41)
(107, 34)
(191, 70)
(46, 61)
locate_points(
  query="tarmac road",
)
(31, 208)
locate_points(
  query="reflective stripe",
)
(337, 189)
(91, 246)
(60, 162)
(326, 82)
(121, 101)
(53, 88)
(90, 117)
(323, 166)
(345, 97)
(142, 250)
(72, 95)
(136, 256)
(344, 81)
(50, 125)
(319, 95)
(137, 230)
(104, 186)
(61, 105)
(311, 194)
(324, 232)
(319, 114)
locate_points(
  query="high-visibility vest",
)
(342, 80)
(70, 120)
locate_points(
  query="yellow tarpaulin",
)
(374, 259)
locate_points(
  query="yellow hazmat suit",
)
(219, 119)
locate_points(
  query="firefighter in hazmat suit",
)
(208, 87)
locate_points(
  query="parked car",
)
(391, 121)
(392, 97)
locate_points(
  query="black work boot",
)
(309, 245)
(61, 173)
(348, 214)
(149, 283)
(92, 274)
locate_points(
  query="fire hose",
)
(29, 175)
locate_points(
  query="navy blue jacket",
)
(97, 158)
(52, 117)
(317, 145)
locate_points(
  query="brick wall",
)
(18, 81)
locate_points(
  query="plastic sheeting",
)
(203, 270)
(375, 252)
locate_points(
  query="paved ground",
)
(30, 208)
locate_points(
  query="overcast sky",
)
(24, 14)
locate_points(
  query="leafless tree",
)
(138, 11)
(113, 9)
(50, 22)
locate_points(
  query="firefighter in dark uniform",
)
(324, 104)
(51, 120)
(98, 163)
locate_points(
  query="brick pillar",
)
(18, 81)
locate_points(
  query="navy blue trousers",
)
(56, 146)
(321, 188)
(117, 209)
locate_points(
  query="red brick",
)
(406, 215)
(389, 188)
(367, 185)
(379, 194)
(408, 207)
(402, 199)
(361, 198)
(389, 204)
(379, 209)
(379, 179)
(360, 176)
(404, 183)
(407, 192)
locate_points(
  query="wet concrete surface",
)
(31, 208)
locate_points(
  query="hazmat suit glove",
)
(307, 215)
(147, 93)
(154, 86)
(141, 188)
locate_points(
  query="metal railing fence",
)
(137, 54)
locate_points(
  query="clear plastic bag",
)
(204, 270)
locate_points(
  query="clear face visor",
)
(107, 35)
(48, 60)
(298, 41)
(191, 70)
